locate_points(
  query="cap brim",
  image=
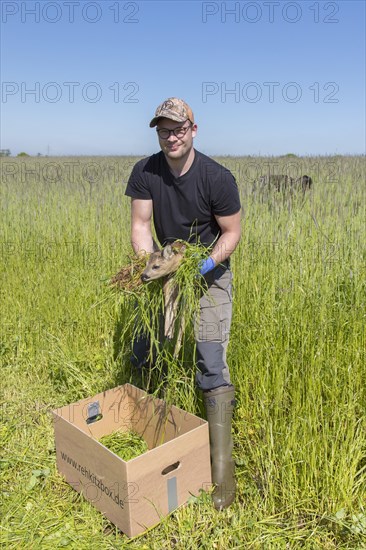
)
(155, 120)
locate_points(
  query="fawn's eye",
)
(156, 266)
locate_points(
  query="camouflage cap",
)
(174, 109)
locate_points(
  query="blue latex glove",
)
(206, 265)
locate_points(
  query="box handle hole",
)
(93, 412)
(93, 419)
(170, 468)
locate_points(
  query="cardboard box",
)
(133, 495)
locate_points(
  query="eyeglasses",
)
(164, 133)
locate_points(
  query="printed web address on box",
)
(96, 487)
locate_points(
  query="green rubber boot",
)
(219, 404)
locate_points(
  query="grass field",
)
(297, 354)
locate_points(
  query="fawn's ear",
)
(167, 252)
(178, 247)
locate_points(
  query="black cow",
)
(283, 182)
(305, 182)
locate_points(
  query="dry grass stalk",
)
(128, 277)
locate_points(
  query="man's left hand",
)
(205, 266)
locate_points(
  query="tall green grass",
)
(297, 354)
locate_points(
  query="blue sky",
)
(262, 77)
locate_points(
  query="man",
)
(193, 198)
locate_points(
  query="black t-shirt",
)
(184, 207)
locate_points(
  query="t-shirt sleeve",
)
(225, 199)
(137, 185)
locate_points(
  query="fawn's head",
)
(163, 262)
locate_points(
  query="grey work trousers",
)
(212, 330)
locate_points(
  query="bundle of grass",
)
(163, 310)
(126, 445)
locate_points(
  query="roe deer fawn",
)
(162, 264)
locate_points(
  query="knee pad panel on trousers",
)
(211, 365)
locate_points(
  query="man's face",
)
(176, 147)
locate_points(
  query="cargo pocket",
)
(214, 318)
